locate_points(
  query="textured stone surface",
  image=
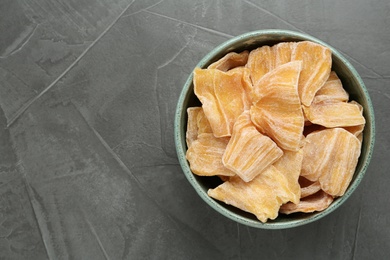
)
(88, 167)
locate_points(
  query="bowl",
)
(353, 84)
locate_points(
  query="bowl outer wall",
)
(347, 74)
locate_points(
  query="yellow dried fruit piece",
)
(355, 130)
(357, 103)
(310, 189)
(330, 156)
(197, 123)
(282, 52)
(192, 124)
(249, 152)
(332, 90)
(264, 59)
(276, 82)
(230, 61)
(306, 121)
(317, 202)
(262, 196)
(223, 97)
(205, 155)
(360, 137)
(203, 123)
(247, 84)
(290, 165)
(277, 111)
(316, 66)
(334, 114)
(260, 62)
(358, 129)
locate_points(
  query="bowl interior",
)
(249, 41)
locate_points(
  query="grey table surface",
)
(88, 167)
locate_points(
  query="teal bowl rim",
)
(180, 123)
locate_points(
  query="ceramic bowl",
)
(352, 82)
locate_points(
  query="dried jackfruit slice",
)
(330, 156)
(306, 121)
(316, 66)
(336, 180)
(260, 62)
(197, 123)
(223, 97)
(355, 130)
(283, 52)
(290, 165)
(247, 84)
(275, 83)
(332, 90)
(358, 104)
(311, 189)
(203, 123)
(358, 129)
(192, 125)
(317, 153)
(317, 202)
(334, 114)
(262, 196)
(230, 61)
(277, 111)
(360, 137)
(249, 152)
(264, 59)
(205, 155)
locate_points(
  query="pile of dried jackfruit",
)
(278, 128)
